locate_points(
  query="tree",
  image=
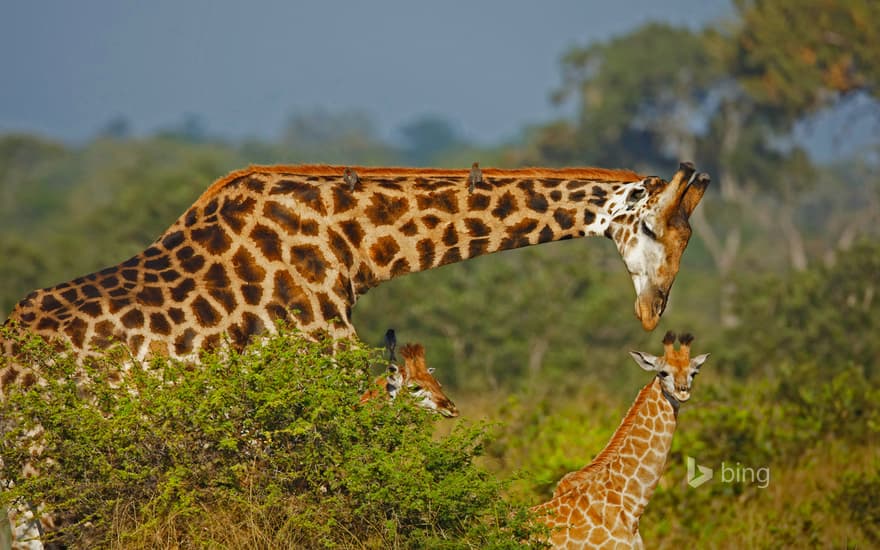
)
(427, 137)
(637, 97)
(802, 56)
(322, 136)
(190, 129)
(24, 160)
(118, 127)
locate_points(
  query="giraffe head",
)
(651, 230)
(413, 376)
(676, 369)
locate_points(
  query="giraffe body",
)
(600, 505)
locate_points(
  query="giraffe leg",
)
(20, 531)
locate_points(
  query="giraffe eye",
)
(415, 387)
(647, 230)
(635, 195)
(663, 374)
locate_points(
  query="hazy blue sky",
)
(69, 66)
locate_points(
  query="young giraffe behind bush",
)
(600, 505)
(414, 377)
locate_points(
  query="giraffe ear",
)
(645, 360)
(697, 361)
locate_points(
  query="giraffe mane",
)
(598, 174)
(621, 433)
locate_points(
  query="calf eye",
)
(647, 230)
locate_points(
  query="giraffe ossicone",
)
(599, 506)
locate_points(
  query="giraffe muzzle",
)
(649, 306)
(682, 395)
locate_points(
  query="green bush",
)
(824, 315)
(859, 496)
(272, 439)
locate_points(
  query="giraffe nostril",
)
(658, 304)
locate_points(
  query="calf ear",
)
(699, 360)
(645, 360)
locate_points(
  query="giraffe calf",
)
(415, 377)
(600, 505)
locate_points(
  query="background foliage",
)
(779, 282)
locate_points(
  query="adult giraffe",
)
(301, 243)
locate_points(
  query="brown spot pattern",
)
(301, 192)
(212, 237)
(353, 232)
(384, 250)
(205, 313)
(309, 262)
(450, 235)
(479, 201)
(385, 209)
(445, 201)
(235, 212)
(505, 206)
(151, 296)
(425, 248)
(133, 319)
(340, 248)
(343, 200)
(268, 242)
(289, 220)
(409, 228)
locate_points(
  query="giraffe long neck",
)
(340, 235)
(636, 454)
(400, 225)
